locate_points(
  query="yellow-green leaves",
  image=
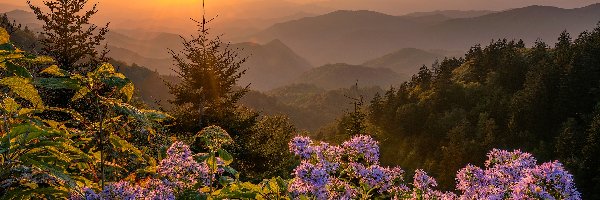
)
(16, 70)
(214, 138)
(80, 93)
(4, 37)
(54, 70)
(24, 89)
(225, 157)
(9, 105)
(127, 91)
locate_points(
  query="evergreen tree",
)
(9, 26)
(69, 36)
(209, 71)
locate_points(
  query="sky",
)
(175, 14)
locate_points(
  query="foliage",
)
(185, 175)
(37, 155)
(541, 99)
(209, 73)
(207, 95)
(49, 148)
(270, 142)
(68, 36)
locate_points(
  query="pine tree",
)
(209, 71)
(69, 36)
(9, 26)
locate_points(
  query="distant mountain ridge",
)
(341, 75)
(452, 13)
(270, 65)
(405, 61)
(356, 36)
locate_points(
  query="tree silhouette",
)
(69, 36)
(209, 71)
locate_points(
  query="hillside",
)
(161, 65)
(334, 76)
(455, 14)
(405, 61)
(356, 36)
(25, 18)
(308, 106)
(270, 65)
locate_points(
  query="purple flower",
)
(157, 189)
(547, 181)
(338, 189)
(362, 147)
(515, 175)
(422, 181)
(180, 167)
(301, 146)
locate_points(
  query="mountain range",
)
(357, 36)
(380, 49)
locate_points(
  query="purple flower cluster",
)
(376, 176)
(301, 146)
(515, 175)
(362, 147)
(180, 167)
(152, 189)
(546, 181)
(178, 171)
(423, 188)
(339, 172)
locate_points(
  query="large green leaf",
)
(17, 70)
(123, 145)
(54, 70)
(4, 37)
(9, 105)
(58, 83)
(225, 156)
(24, 89)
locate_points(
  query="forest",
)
(506, 120)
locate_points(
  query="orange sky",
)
(174, 14)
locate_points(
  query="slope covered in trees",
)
(340, 75)
(544, 99)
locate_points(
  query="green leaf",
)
(4, 37)
(17, 70)
(211, 162)
(58, 83)
(10, 105)
(24, 89)
(230, 170)
(225, 180)
(54, 70)
(225, 156)
(80, 93)
(124, 145)
(127, 91)
(281, 183)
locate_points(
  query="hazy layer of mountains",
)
(270, 65)
(357, 36)
(380, 49)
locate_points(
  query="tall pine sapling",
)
(69, 36)
(209, 71)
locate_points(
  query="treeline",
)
(544, 99)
